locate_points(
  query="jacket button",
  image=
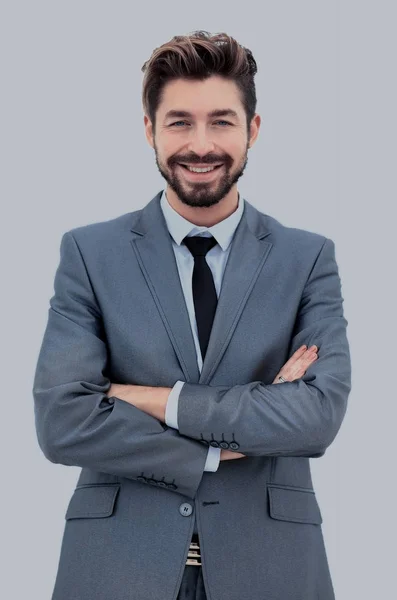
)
(162, 484)
(151, 481)
(172, 486)
(224, 445)
(111, 400)
(234, 445)
(214, 444)
(141, 478)
(186, 509)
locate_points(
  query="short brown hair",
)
(197, 56)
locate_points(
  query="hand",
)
(293, 369)
(230, 455)
(296, 366)
(112, 391)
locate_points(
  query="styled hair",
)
(198, 56)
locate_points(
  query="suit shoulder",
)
(295, 237)
(109, 229)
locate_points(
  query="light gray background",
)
(73, 151)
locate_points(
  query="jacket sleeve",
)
(76, 423)
(298, 418)
(171, 419)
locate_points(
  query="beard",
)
(202, 193)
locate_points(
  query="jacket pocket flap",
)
(288, 503)
(92, 501)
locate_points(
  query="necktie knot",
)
(199, 245)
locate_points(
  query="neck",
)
(206, 216)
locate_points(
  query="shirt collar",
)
(179, 227)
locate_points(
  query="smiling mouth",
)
(213, 168)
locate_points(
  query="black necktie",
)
(204, 292)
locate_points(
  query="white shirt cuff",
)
(213, 459)
(171, 408)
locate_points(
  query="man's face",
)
(192, 136)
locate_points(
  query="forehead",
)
(201, 97)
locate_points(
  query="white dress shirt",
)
(216, 258)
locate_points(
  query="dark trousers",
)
(192, 585)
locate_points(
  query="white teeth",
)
(203, 170)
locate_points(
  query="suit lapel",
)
(152, 244)
(247, 256)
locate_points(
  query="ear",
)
(148, 130)
(254, 129)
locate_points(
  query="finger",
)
(300, 351)
(312, 351)
(302, 358)
(296, 355)
(296, 368)
(306, 365)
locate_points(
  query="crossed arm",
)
(77, 425)
(153, 400)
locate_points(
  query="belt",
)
(194, 554)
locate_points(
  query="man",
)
(168, 331)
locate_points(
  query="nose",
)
(201, 142)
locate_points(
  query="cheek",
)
(236, 147)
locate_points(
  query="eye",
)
(221, 121)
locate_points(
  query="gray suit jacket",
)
(118, 315)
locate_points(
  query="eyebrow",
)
(223, 112)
